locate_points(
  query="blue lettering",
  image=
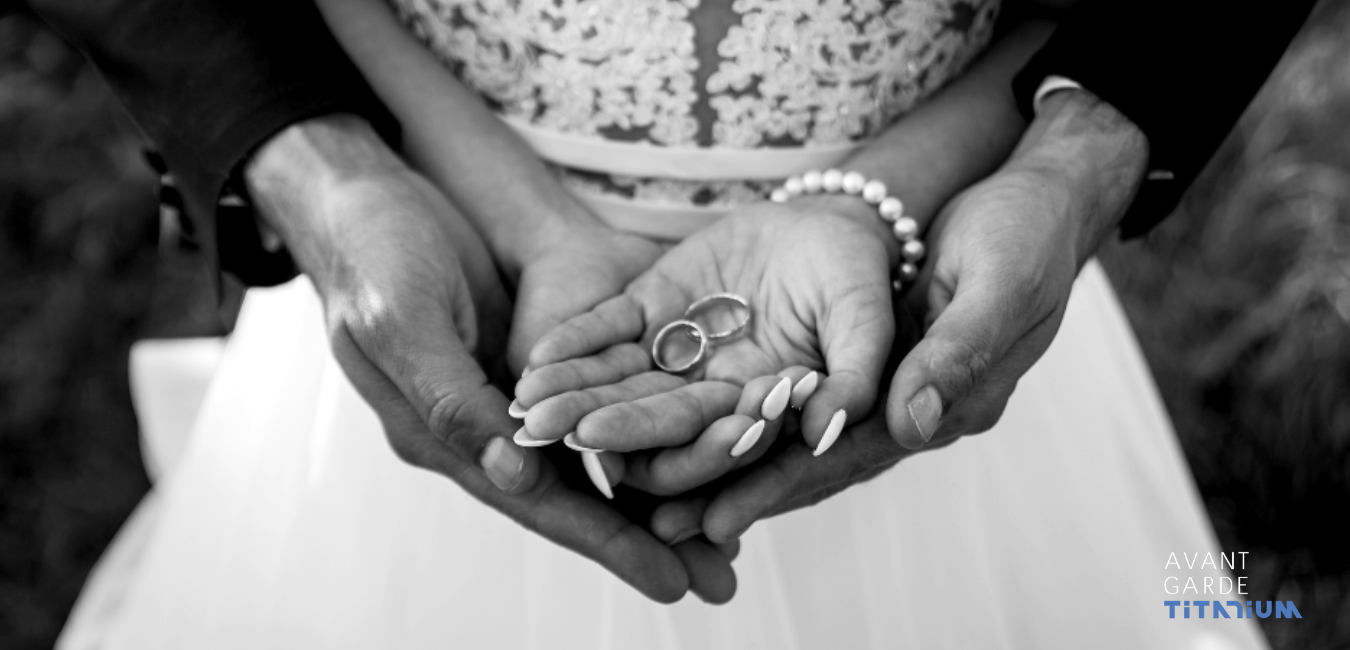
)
(1237, 606)
(1171, 606)
(1265, 614)
(1201, 604)
(1218, 609)
(1286, 609)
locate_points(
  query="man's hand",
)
(1005, 255)
(400, 274)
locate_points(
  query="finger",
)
(730, 550)
(805, 381)
(609, 366)
(557, 416)
(617, 320)
(793, 471)
(575, 521)
(414, 350)
(710, 574)
(730, 442)
(983, 407)
(971, 336)
(855, 337)
(664, 419)
(679, 519)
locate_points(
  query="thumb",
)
(408, 351)
(968, 338)
(855, 337)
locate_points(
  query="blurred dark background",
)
(1241, 302)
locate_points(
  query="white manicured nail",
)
(832, 431)
(777, 401)
(594, 469)
(748, 439)
(516, 411)
(571, 441)
(525, 373)
(523, 439)
(804, 389)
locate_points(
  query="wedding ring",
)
(695, 332)
(712, 300)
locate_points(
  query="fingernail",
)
(777, 401)
(684, 536)
(516, 411)
(804, 389)
(748, 439)
(525, 373)
(591, 461)
(523, 439)
(571, 441)
(502, 461)
(832, 431)
(925, 408)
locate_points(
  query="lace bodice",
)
(704, 75)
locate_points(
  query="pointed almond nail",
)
(832, 431)
(804, 389)
(571, 441)
(516, 411)
(925, 409)
(594, 469)
(525, 373)
(523, 439)
(777, 401)
(748, 439)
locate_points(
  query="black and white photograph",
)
(674, 324)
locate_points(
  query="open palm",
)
(819, 289)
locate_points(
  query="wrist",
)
(292, 175)
(1095, 155)
(854, 208)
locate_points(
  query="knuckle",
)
(448, 418)
(960, 366)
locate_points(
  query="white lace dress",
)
(286, 521)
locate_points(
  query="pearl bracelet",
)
(891, 210)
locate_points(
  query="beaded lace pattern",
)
(785, 73)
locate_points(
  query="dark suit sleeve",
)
(1183, 71)
(208, 81)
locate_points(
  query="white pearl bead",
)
(853, 183)
(912, 250)
(908, 272)
(891, 208)
(794, 186)
(811, 181)
(905, 228)
(832, 180)
(874, 191)
(779, 195)
(897, 285)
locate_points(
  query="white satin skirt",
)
(286, 522)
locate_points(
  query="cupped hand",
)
(818, 284)
(577, 266)
(385, 251)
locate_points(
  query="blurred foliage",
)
(1241, 302)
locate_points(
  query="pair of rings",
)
(705, 339)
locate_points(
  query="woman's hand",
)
(576, 265)
(390, 258)
(819, 287)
